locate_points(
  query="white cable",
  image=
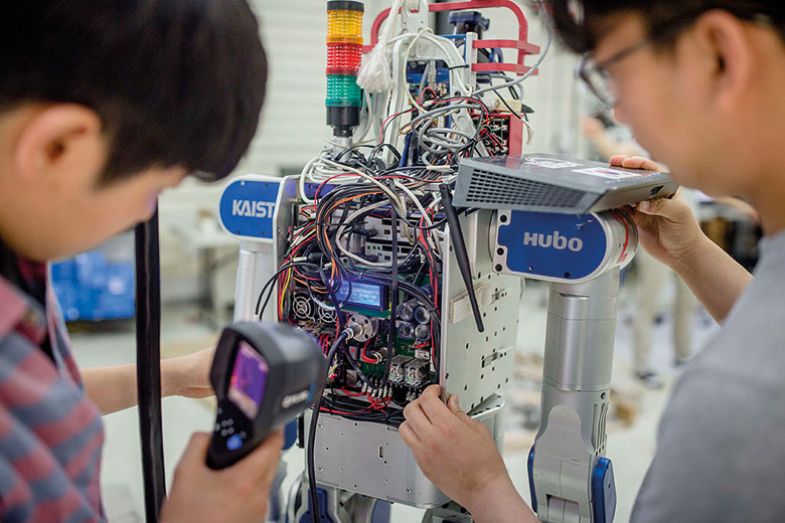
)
(374, 75)
(436, 245)
(303, 174)
(394, 197)
(339, 169)
(366, 121)
(415, 201)
(432, 167)
(316, 171)
(420, 207)
(405, 61)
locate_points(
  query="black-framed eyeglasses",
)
(595, 74)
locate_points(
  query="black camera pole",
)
(148, 365)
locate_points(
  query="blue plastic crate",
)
(90, 288)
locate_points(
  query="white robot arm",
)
(581, 256)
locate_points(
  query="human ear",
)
(58, 144)
(726, 47)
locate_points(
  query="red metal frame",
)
(515, 143)
(522, 44)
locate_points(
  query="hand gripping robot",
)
(404, 254)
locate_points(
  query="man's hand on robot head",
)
(667, 228)
(454, 451)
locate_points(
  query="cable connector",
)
(314, 257)
(352, 331)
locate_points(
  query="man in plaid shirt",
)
(103, 105)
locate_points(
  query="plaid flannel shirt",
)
(51, 434)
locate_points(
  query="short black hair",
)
(579, 23)
(175, 82)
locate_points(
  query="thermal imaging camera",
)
(264, 376)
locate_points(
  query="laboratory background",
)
(659, 326)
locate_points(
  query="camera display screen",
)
(249, 379)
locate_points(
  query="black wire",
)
(394, 294)
(317, 405)
(436, 225)
(266, 285)
(379, 148)
(513, 111)
(353, 409)
(330, 217)
(351, 150)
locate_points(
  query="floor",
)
(630, 447)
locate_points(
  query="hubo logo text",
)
(553, 240)
(252, 209)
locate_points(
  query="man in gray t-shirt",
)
(702, 85)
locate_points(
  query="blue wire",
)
(405, 155)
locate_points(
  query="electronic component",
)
(422, 333)
(264, 376)
(302, 306)
(398, 370)
(405, 330)
(406, 310)
(368, 232)
(352, 260)
(362, 295)
(368, 327)
(422, 354)
(422, 316)
(550, 183)
(326, 316)
(416, 372)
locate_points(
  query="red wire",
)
(343, 413)
(352, 394)
(363, 357)
(390, 119)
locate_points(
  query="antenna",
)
(461, 255)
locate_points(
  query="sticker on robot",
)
(605, 172)
(551, 163)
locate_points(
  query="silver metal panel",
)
(256, 265)
(477, 365)
(372, 459)
(284, 214)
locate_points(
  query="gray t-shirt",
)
(721, 442)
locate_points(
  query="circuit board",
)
(369, 257)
